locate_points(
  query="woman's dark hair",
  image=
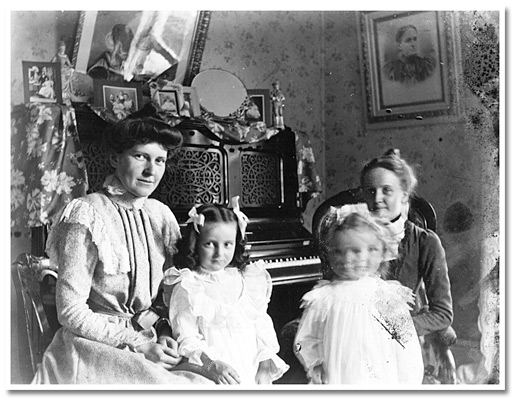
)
(392, 161)
(142, 127)
(213, 213)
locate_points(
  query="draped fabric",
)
(47, 165)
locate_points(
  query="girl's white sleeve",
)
(185, 326)
(308, 343)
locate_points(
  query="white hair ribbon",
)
(242, 218)
(195, 218)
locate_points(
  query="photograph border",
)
(266, 105)
(57, 81)
(174, 94)
(99, 85)
(447, 62)
(194, 100)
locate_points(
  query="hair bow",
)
(195, 218)
(242, 218)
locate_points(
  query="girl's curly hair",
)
(187, 255)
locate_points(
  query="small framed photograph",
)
(168, 101)
(42, 82)
(260, 109)
(119, 98)
(190, 102)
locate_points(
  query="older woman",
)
(388, 181)
(111, 248)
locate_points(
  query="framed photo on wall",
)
(116, 45)
(42, 82)
(408, 59)
(261, 108)
(118, 98)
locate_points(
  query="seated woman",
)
(387, 182)
(111, 248)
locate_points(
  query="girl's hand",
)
(223, 373)
(318, 375)
(163, 355)
(262, 375)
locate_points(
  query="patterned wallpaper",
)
(315, 55)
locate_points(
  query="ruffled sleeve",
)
(308, 343)
(189, 301)
(79, 211)
(259, 288)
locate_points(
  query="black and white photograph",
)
(164, 239)
(42, 82)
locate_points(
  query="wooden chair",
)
(34, 280)
(437, 356)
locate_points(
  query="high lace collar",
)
(214, 275)
(120, 195)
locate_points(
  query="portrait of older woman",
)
(409, 66)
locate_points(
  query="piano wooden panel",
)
(208, 169)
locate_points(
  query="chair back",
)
(34, 280)
(420, 212)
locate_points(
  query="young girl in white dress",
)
(218, 306)
(357, 328)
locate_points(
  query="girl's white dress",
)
(224, 314)
(361, 331)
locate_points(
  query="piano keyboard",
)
(289, 270)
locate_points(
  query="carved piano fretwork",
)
(263, 174)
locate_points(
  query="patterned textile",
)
(47, 165)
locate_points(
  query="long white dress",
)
(224, 314)
(361, 331)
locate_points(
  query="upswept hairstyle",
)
(144, 126)
(333, 225)
(402, 30)
(392, 161)
(187, 255)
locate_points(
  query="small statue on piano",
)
(277, 98)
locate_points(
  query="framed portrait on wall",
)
(42, 82)
(118, 98)
(260, 109)
(139, 45)
(408, 60)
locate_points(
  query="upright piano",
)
(263, 174)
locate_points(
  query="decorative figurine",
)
(277, 98)
(67, 71)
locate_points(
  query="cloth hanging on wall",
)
(47, 165)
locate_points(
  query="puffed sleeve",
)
(187, 301)
(77, 261)
(308, 343)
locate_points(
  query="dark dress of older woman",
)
(111, 248)
(388, 181)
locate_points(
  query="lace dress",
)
(111, 250)
(361, 331)
(224, 314)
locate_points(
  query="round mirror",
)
(220, 92)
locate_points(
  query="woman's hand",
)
(318, 375)
(262, 375)
(163, 354)
(223, 373)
